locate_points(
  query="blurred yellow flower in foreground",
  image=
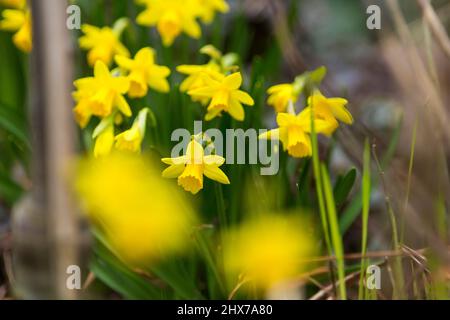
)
(18, 21)
(208, 8)
(171, 18)
(267, 250)
(190, 168)
(225, 95)
(103, 43)
(144, 73)
(141, 217)
(99, 95)
(294, 133)
(280, 96)
(328, 110)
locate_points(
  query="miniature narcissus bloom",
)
(101, 94)
(294, 133)
(104, 142)
(171, 18)
(225, 97)
(18, 21)
(198, 78)
(208, 9)
(131, 139)
(267, 250)
(144, 73)
(139, 229)
(329, 110)
(103, 43)
(280, 96)
(190, 168)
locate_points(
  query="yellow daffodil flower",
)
(267, 250)
(198, 78)
(104, 142)
(281, 95)
(141, 217)
(208, 9)
(103, 43)
(329, 110)
(18, 21)
(190, 168)
(144, 73)
(294, 133)
(131, 139)
(171, 18)
(102, 93)
(225, 96)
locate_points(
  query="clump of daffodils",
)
(141, 217)
(103, 96)
(217, 85)
(174, 17)
(190, 168)
(17, 19)
(267, 250)
(294, 130)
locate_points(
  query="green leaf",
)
(116, 275)
(343, 186)
(13, 124)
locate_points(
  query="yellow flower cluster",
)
(18, 19)
(294, 130)
(217, 85)
(103, 95)
(141, 217)
(173, 17)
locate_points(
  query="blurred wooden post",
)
(45, 227)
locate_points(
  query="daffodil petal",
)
(123, 105)
(174, 161)
(216, 174)
(123, 62)
(101, 70)
(342, 114)
(233, 81)
(173, 171)
(203, 92)
(236, 110)
(243, 97)
(214, 160)
(273, 134)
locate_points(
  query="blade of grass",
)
(398, 269)
(408, 183)
(366, 184)
(336, 238)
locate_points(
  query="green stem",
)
(366, 186)
(317, 176)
